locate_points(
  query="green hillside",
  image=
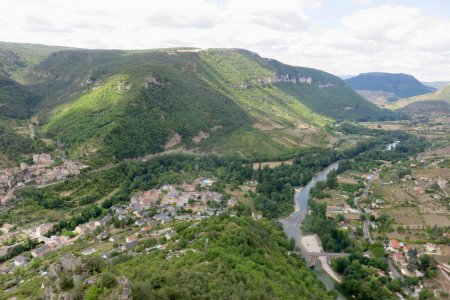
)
(16, 58)
(245, 259)
(438, 101)
(107, 105)
(15, 100)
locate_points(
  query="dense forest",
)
(244, 259)
(15, 146)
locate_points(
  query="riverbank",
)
(311, 243)
(296, 204)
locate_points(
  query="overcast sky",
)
(344, 37)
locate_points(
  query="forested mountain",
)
(388, 86)
(15, 100)
(108, 105)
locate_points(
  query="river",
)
(291, 225)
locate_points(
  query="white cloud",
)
(386, 38)
(361, 2)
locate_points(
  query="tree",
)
(332, 180)
(412, 260)
(107, 280)
(92, 293)
(427, 262)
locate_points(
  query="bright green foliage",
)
(14, 145)
(107, 105)
(243, 259)
(333, 238)
(361, 279)
(275, 189)
(92, 293)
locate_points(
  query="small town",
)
(223, 149)
(150, 214)
(43, 170)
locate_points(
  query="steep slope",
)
(108, 105)
(15, 100)
(387, 87)
(16, 58)
(245, 259)
(433, 103)
(230, 101)
(321, 92)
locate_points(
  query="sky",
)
(343, 37)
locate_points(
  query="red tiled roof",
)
(395, 244)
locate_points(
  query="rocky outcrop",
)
(200, 136)
(70, 263)
(152, 80)
(286, 78)
(54, 270)
(64, 296)
(123, 289)
(70, 268)
(278, 78)
(123, 86)
(326, 85)
(89, 83)
(49, 294)
(174, 140)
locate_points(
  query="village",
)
(43, 170)
(149, 214)
(403, 206)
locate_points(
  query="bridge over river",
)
(311, 257)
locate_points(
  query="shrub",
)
(107, 280)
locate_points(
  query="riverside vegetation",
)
(220, 111)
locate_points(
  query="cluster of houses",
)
(348, 212)
(398, 253)
(150, 208)
(42, 171)
(422, 183)
(189, 201)
(146, 210)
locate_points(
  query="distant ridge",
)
(108, 105)
(398, 85)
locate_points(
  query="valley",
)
(189, 173)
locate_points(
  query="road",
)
(325, 254)
(393, 270)
(367, 232)
(366, 228)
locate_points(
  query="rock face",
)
(64, 296)
(200, 136)
(174, 140)
(277, 78)
(54, 270)
(152, 80)
(70, 263)
(73, 268)
(124, 289)
(286, 78)
(49, 294)
(68, 266)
